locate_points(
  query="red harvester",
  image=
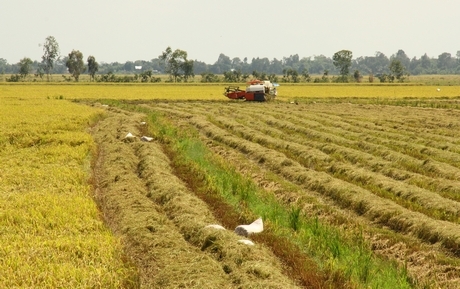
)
(257, 90)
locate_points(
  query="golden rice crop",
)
(50, 231)
(51, 234)
(367, 91)
(195, 91)
(114, 91)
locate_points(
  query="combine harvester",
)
(257, 90)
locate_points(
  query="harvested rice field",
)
(366, 195)
(107, 186)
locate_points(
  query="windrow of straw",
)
(360, 147)
(233, 196)
(345, 194)
(415, 165)
(408, 147)
(413, 254)
(164, 223)
(428, 151)
(191, 215)
(409, 130)
(151, 240)
(310, 157)
(410, 196)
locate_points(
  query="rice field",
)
(51, 231)
(357, 186)
(196, 91)
(393, 168)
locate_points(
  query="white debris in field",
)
(244, 230)
(146, 138)
(255, 227)
(129, 138)
(215, 226)
(247, 242)
(143, 123)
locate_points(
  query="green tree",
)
(397, 71)
(256, 74)
(237, 64)
(292, 61)
(209, 77)
(146, 75)
(25, 67)
(176, 64)
(187, 69)
(425, 62)
(290, 75)
(402, 57)
(380, 63)
(342, 61)
(75, 64)
(306, 76)
(165, 60)
(3, 65)
(445, 61)
(128, 66)
(223, 63)
(235, 75)
(93, 67)
(357, 76)
(50, 54)
(319, 64)
(383, 77)
(260, 64)
(276, 66)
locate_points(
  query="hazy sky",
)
(122, 30)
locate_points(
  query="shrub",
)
(14, 78)
(209, 77)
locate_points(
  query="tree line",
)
(174, 63)
(341, 66)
